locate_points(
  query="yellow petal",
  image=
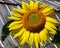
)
(25, 39)
(19, 39)
(16, 14)
(31, 39)
(15, 27)
(14, 31)
(50, 25)
(43, 6)
(19, 33)
(36, 40)
(22, 11)
(36, 5)
(14, 23)
(47, 9)
(31, 5)
(52, 31)
(51, 20)
(25, 6)
(14, 18)
(23, 35)
(48, 13)
(44, 36)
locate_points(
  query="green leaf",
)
(56, 39)
(16, 47)
(57, 11)
(5, 30)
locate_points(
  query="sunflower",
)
(32, 23)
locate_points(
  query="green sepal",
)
(56, 39)
(5, 30)
(57, 11)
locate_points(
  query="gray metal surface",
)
(5, 12)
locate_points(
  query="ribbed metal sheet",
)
(5, 12)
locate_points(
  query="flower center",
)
(33, 18)
(34, 21)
